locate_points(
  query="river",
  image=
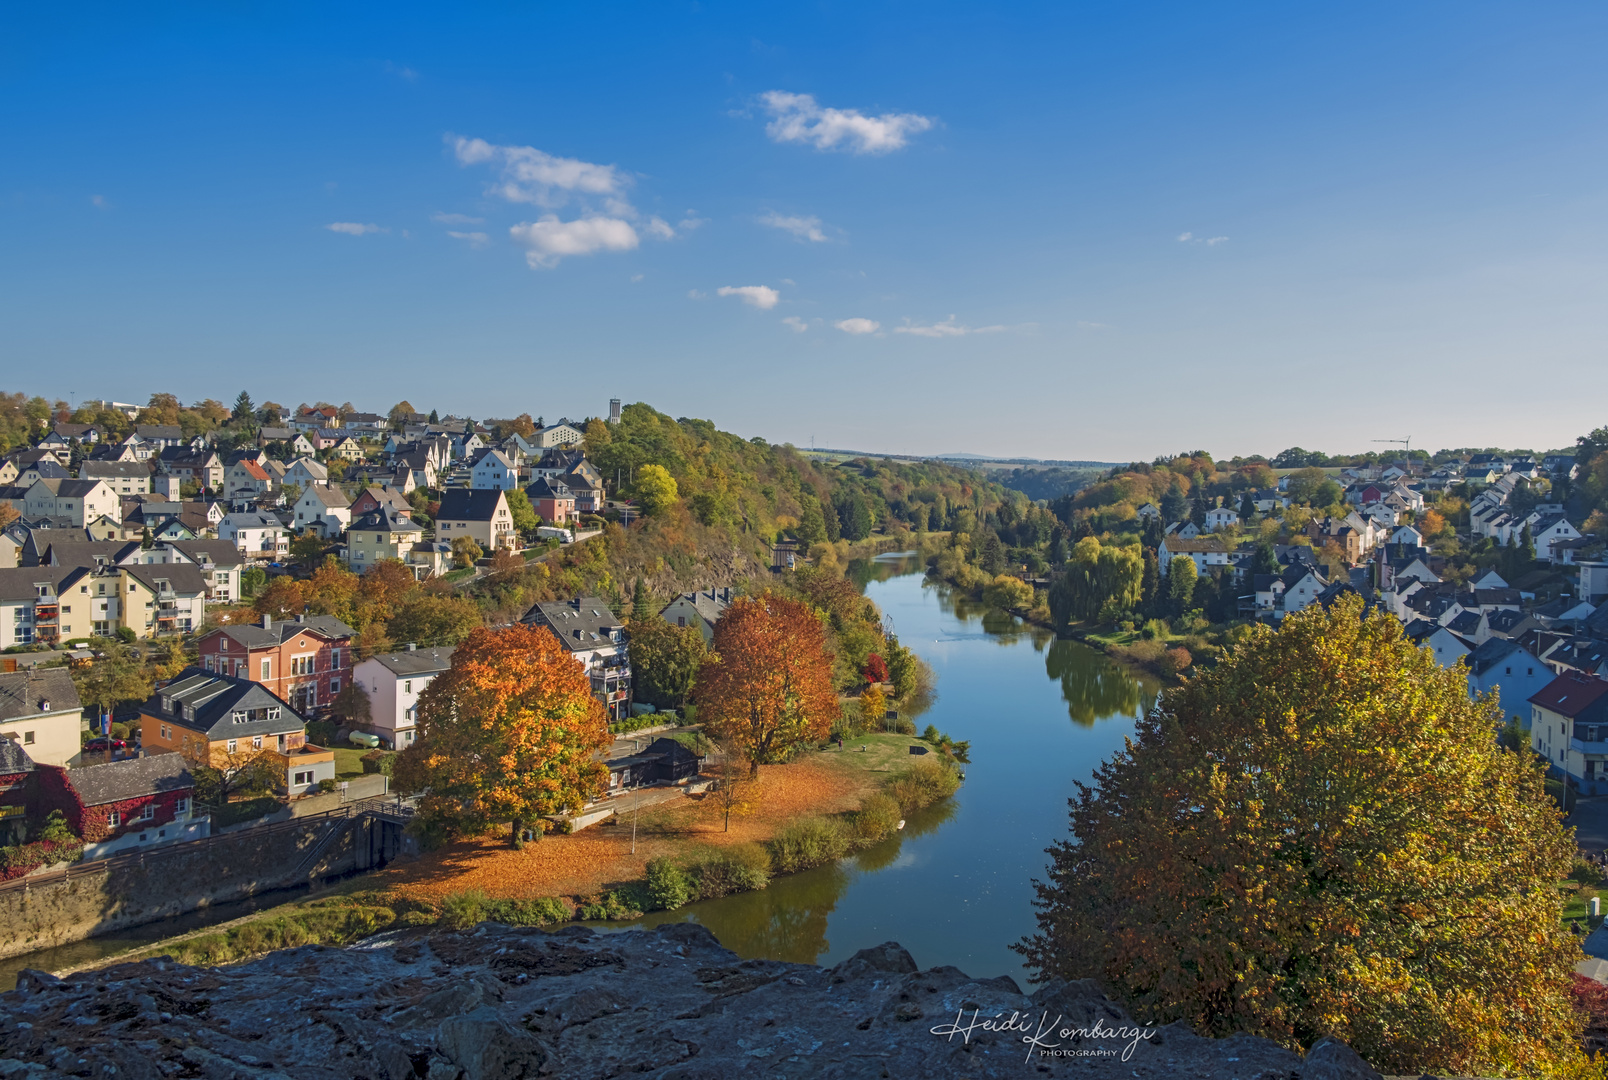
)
(956, 886)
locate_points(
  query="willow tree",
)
(1321, 836)
(508, 733)
(1096, 575)
(768, 685)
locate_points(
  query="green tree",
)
(1096, 576)
(1320, 836)
(641, 602)
(525, 519)
(811, 523)
(307, 549)
(1264, 560)
(657, 489)
(665, 661)
(244, 410)
(115, 678)
(430, 619)
(1181, 576)
(465, 552)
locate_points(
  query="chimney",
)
(44, 706)
(267, 622)
(300, 617)
(412, 646)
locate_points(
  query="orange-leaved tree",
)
(508, 733)
(768, 685)
(1321, 836)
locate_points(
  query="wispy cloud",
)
(802, 228)
(1209, 241)
(858, 326)
(355, 228)
(798, 118)
(606, 219)
(945, 329)
(761, 296)
(696, 294)
(474, 239)
(456, 219)
(795, 324)
(99, 202)
(401, 71)
(1085, 325)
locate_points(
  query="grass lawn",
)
(245, 810)
(882, 754)
(460, 575)
(349, 762)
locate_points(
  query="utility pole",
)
(636, 804)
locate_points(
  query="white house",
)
(1221, 518)
(1407, 535)
(1184, 530)
(1302, 586)
(700, 609)
(1505, 666)
(259, 537)
(1549, 531)
(79, 501)
(1569, 727)
(1206, 551)
(40, 712)
(393, 683)
(326, 510)
(1448, 647)
(494, 472)
(1148, 511)
(562, 433)
(595, 637)
(304, 472)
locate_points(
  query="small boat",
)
(901, 823)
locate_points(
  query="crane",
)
(1406, 445)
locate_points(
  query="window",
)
(148, 812)
(231, 745)
(335, 660)
(334, 686)
(1507, 671)
(239, 716)
(27, 738)
(273, 712)
(407, 686)
(113, 818)
(181, 806)
(265, 668)
(303, 777)
(256, 742)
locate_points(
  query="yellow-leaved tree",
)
(1321, 836)
(508, 733)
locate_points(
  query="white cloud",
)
(798, 118)
(694, 294)
(688, 223)
(858, 326)
(548, 240)
(795, 324)
(456, 219)
(1215, 240)
(1093, 325)
(475, 239)
(635, 278)
(761, 296)
(660, 228)
(1209, 241)
(802, 228)
(948, 328)
(354, 228)
(531, 176)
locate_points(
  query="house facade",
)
(1569, 728)
(379, 535)
(135, 803)
(41, 713)
(259, 537)
(218, 721)
(305, 661)
(393, 683)
(699, 609)
(483, 516)
(592, 634)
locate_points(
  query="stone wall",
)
(132, 890)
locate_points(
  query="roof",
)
(258, 636)
(1572, 694)
(130, 779)
(387, 497)
(252, 469)
(311, 467)
(218, 552)
(331, 496)
(548, 488)
(410, 662)
(468, 504)
(582, 623)
(24, 694)
(384, 519)
(14, 759)
(1490, 653)
(710, 605)
(207, 702)
(48, 469)
(1179, 546)
(181, 577)
(109, 470)
(159, 431)
(276, 434)
(252, 519)
(21, 583)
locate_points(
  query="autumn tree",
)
(281, 599)
(465, 552)
(873, 706)
(1320, 836)
(768, 685)
(665, 660)
(508, 733)
(427, 619)
(735, 790)
(657, 489)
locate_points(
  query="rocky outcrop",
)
(500, 1003)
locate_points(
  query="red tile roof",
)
(1570, 694)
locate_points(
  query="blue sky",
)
(1069, 230)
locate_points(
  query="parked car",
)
(101, 744)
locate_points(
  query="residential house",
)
(40, 712)
(664, 761)
(135, 803)
(1509, 669)
(296, 441)
(378, 535)
(306, 472)
(1184, 530)
(305, 660)
(162, 599)
(700, 609)
(348, 449)
(483, 516)
(1569, 728)
(1549, 532)
(30, 606)
(122, 477)
(588, 492)
(393, 683)
(1406, 534)
(220, 721)
(16, 792)
(219, 563)
(44, 467)
(552, 500)
(430, 558)
(594, 636)
(562, 433)
(1206, 551)
(325, 510)
(1149, 512)
(365, 421)
(1221, 518)
(1448, 646)
(202, 467)
(78, 501)
(1303, 585)
(382, 496)
(247, 481)
(493, 472)
(324, 438)
(259, 537)
(312, 419)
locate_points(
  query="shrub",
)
(538, 912)
(322, 733)
(668, 885)
(922, 784)
(461, 910)
(878, 818)
(1174, 661)
(740, 869)
(1154, 628)
(326, 786)
(615, 904)
(806, 843)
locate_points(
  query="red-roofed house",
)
(1569, 727)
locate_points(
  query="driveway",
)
(1590, 821)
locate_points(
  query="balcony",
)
(44, 613)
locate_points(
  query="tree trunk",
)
(518, 834)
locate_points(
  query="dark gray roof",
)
(159, 431)
(181, 577)
(548, 488)
(384, 520)
(112, 470)
(14, 759)
(710, 604)
(417, 661)
(119, 780)
(49, 470)
(80, 552)
(21, 583)
(206, 701)
(583, 623)
(25, 694)
(217, 552)
(467, 504)
(1490, 653)
(257, 636)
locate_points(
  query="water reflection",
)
(1095, 687)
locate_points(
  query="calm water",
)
(954, 887)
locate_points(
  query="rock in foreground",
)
(500, 1003)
